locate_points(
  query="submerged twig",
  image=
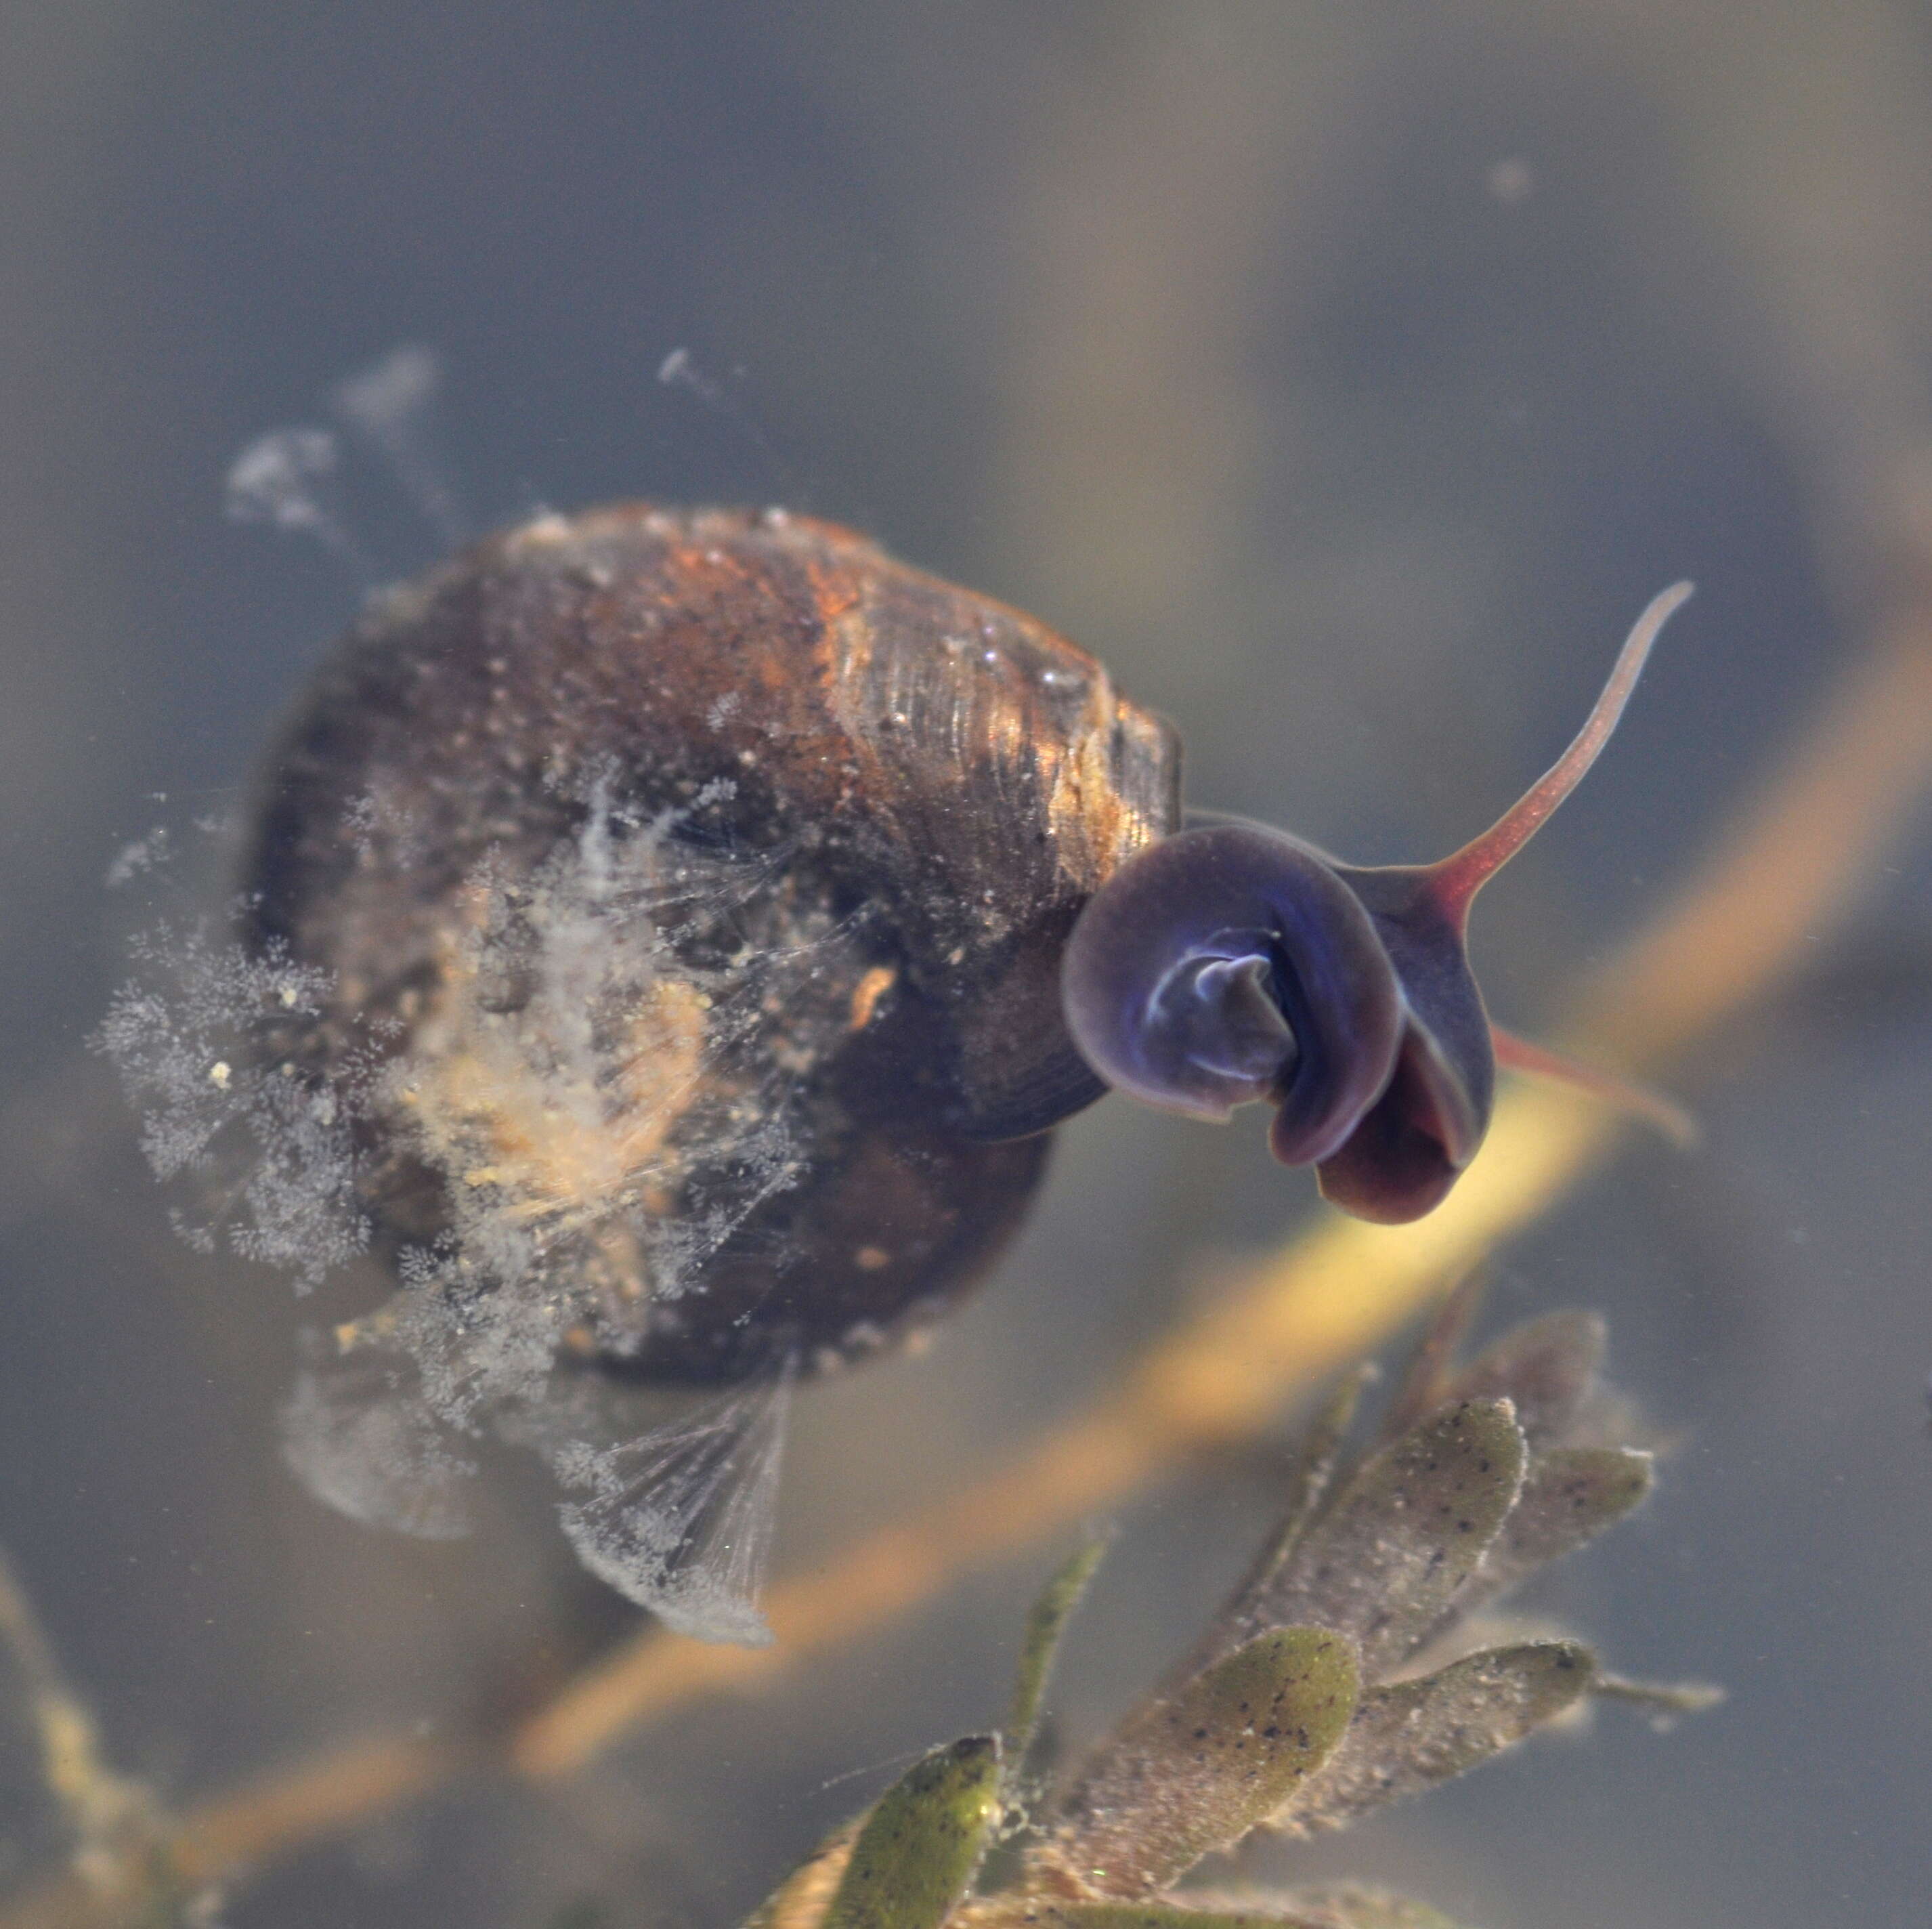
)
(1283, 1324)
(1788, 870)
(121, 1838)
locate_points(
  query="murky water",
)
(1347, 380)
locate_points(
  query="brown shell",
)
(704, 874)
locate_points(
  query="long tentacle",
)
(1455, 881)
(1654, 1108)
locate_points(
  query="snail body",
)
(717, 916)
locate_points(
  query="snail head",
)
(1233, 962)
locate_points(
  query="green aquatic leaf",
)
(1345, 1908)
(1195, 1773)
(1427, 1381)
(1045, 1626)
(1313, 1468)
(1146, 1916)
(1348, 1907)
(1570, 1495)
(800, 1901)
(1409, 1735)
(1385, 1562)
(918, 1850)
(1548, 1367)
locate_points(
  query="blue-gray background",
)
(1347, 377)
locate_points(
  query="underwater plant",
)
(1356, 1664)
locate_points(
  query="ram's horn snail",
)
(703, 899)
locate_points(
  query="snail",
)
(670, 938)
(709, 918)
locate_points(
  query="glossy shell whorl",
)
(693, 888)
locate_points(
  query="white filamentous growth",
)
(142, 854)
(359, 1437)
(680, 1521)
(390, 404)
(282, 478)
(278, 1155)
(601, 1131)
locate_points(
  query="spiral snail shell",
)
(717, 914)
(699, 881)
